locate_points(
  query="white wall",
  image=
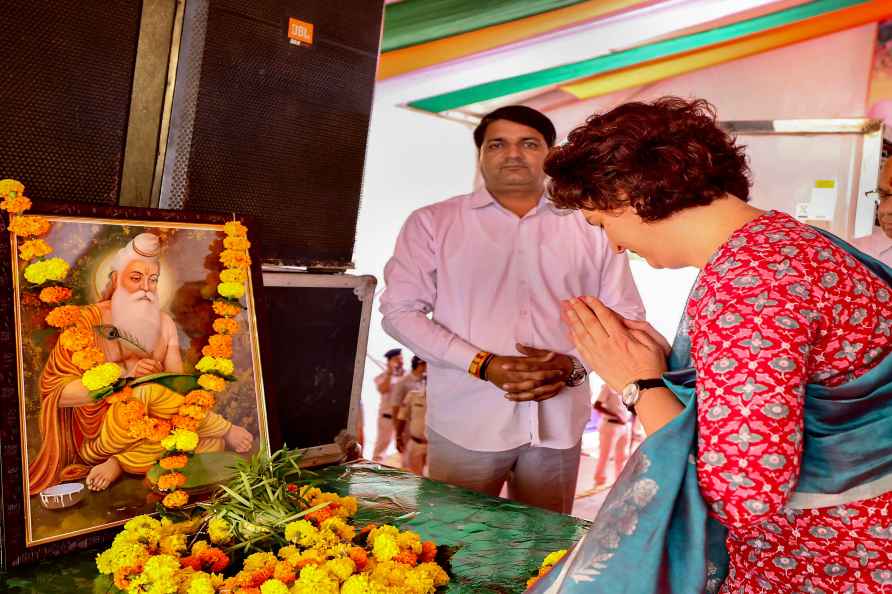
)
(412, 160)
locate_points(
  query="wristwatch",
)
(577, 375)
(631, 394)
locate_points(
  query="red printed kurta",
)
(777, 307)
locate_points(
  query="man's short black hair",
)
(416, 361)
(519, 114)
(393, 353)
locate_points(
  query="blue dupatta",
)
(653, 534)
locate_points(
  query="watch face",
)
(630, 394)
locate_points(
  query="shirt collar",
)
(481, 197)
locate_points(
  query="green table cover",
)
(498, 544)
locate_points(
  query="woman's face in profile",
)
(626, 231)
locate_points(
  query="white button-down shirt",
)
(492, 279)
(877, 244)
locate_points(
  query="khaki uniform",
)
(414, 412)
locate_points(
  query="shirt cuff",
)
(460, 354)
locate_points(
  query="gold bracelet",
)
(477, 363)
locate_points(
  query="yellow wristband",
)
(477, 362)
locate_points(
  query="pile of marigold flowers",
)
(319, 552)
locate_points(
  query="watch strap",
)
(646, 384)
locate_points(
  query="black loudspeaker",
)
(270, 118)
(66, 73)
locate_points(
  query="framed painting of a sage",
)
(130, 367)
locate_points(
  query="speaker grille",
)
(277, 131)
(66, 72)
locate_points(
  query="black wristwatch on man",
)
(631, 394)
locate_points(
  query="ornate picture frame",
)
(82, 455)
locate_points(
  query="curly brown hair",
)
(659, 158)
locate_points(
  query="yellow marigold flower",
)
(226, 309)
(236, 243)
(273, 586)
(357, 584)
(88, 358)
(175, 500)
(340, 527)
(231, 290)
(174, 544)
(409, 540)
(101, 376)
(381, 530)
(232, 228)
(440, 577)
(235, 259)
(17, 204)
(341, 568)
(76, 339)
(212, 382)
(64, 315)
(13, 186)
(170, 481)
(29, 226)
(553, 558)
(184, 440)
(225, 326)
(233, 275)
(257, 561)
(290, 553)
(385, 547)
(302, 533)
(219, 530)
(220, 365)
(314, 580)
(173, 462)
(161, 567)
(54, 269)
(34, 248)
(201, 583)
(53, 295)
(347, 508)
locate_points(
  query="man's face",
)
(884, 210)
(140, 276)
(395, 363)
(421, 370)
(512, 157)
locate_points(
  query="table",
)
(498, 544)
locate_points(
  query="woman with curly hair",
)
(768, 466)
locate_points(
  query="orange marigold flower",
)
(320, 515)
(64, 315)
(123, 395)
(234, 229)
(29, 226)
(122, 576)
(88, 358)
(201, 398)
(175, 500)
(34, 248)
(212, 559)
(284, 572)
(219, 345)
(226, 309)
(407, 557)
(235, 259)
(191, 562)
(133, 411)
(192, 410)
(181, 422)
(76, 339)
(16, 204)
(225, 326)
(173, 462)
(211, 382)
(360, 557)
(171, 480)
(158, 430)
(428, 551)
(236, 243)
(53, 295)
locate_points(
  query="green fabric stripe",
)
(412, 22)
(624, 59)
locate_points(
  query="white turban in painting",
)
(137, 314)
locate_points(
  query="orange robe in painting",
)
(77, 438)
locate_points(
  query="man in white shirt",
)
(879, 243)
(507, 398)
(385, 382)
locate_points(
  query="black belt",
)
(616, 421)
(416, 440)
(387, 415)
